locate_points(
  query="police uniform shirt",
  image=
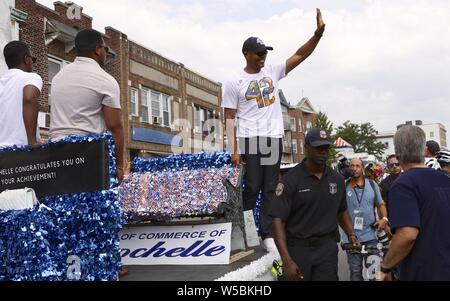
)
(309, 205)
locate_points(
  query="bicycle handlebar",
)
(364, 248)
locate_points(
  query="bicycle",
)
(379, 251)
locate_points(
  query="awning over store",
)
(153, 136)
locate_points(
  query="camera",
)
(343, 167)
(382, 237)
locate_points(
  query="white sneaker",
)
(269, 245)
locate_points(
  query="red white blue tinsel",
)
(176, 186)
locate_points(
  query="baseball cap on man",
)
(254, 44)
(317, 137)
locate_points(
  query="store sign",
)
(176, 245)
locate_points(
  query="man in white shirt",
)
(252, 97)
(85, 98)
(20, 90)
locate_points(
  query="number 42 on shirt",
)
(261, 92)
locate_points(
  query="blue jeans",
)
(356, 260)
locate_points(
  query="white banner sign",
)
(176, 245)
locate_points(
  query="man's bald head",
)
(357, 167)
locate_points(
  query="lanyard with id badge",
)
(359, 219)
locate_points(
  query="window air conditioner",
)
(157, 120)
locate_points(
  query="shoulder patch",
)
(280, 189)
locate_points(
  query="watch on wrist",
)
(385, 270)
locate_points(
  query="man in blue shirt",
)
(419, 205)
(363, 195)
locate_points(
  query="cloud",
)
(379, 61)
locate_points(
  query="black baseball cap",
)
(254, 44)
(318, 137)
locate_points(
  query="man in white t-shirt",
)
(252, 97)
(20, 90)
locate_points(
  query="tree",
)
(323, 122)
(362, 137)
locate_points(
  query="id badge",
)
(359, 223)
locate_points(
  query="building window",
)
(431, 134)
(201, 117)
(134, 102)
(159, 105)
(211, 122)
(144, 106)
(300, 127)
(285, 144)
(198, 120)
(302, 150)
(54, 66)
(308, 125)
(294, 146)
(156, 103)
(386, 144)
(165, 110)
(293, 125)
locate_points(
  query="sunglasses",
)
(394, 164)
(104, 47)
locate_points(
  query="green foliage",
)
(362, 137)
(323, 122)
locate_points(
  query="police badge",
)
(333, 188)
(280, 189)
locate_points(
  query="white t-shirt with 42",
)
(256, 99)
(12, 127)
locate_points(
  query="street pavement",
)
(211, 272)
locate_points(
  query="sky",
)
(379, 61)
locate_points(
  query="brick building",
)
(287, 157)
(302, 117)
(162, 92)
(297, 121)
(155, 91)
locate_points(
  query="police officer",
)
(310, 201)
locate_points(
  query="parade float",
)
(177, 210)
(191, 204)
